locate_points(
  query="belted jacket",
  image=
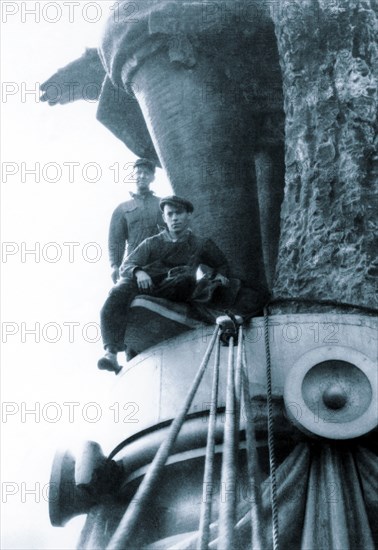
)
(132, 222)
(159, 255)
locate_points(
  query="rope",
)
(272, 457)
(205, 515)
(228, 477)
(123, 534)
(254, 476)
(238, 376)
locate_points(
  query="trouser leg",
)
(114, 315)
(115, 310)
(177, 289)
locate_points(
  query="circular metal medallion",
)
(332, 392)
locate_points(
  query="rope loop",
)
(229, 327)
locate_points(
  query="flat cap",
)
(145, 162)
(174, 200)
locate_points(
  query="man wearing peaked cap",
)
(174, 200)
(165, 266)
(136, 219)
(147, 163)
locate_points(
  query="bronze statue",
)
(264, 115)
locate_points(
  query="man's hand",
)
(115, 274)
(222, 279)
(144, 281)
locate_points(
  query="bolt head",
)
(335, 397)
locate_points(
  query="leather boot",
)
(109, 362)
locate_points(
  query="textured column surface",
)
(328, 55)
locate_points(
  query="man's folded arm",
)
(139, 258)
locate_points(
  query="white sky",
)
(42, 291)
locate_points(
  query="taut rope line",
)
(272, 456)
(227, 510)
(123, 534)
(208, 478)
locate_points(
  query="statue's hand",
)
(222, 279)
(144, 281)
(80, 79)
(115, 274)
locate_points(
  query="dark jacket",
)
(132, 222)
(159, 254)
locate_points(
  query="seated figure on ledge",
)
(164, 266)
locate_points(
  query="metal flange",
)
(78, 484)
(66, 499)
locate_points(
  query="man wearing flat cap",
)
(165, 266)
(136, 219)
